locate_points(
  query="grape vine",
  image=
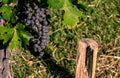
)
(29, 27)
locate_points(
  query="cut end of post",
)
(86, 60)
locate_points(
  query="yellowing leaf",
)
(15, 42)
(72, 13)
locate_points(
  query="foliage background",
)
(101, 22)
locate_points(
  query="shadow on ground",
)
(56, 69)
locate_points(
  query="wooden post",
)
(4, 63)
(86, 58)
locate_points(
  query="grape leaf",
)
(20, 26)
(6, 12)
(8, 25)
(5, 1)
(13, 16)
(24, 35)
(6, 34)
(9, 1)
(15, 42)
(57, 4)
(72, 13)
(16, 36)
(14, 1)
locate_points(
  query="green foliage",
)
(14, 1)
(9, 1)
(12, 33)
(13, 18)
(20, 37)
(24, 35)
(16, 41)
(5, 1)
(6, 34)
(15, 36)
(57, 4)
(71, 12)
(6, 12)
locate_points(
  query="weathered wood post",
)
(4, 63)
(86, 58)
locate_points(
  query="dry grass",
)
(108, 65)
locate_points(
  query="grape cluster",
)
(37, 19)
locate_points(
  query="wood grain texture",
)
(4, 64)
(86, 58)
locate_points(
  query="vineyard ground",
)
(101, 23)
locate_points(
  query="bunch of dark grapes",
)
(37, 19)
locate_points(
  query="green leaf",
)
(16, 41)
(20, 37)
(13, 16)
(5, 1)
(71, 12)
(14, 1)
(6, 12)
(15, 36)
(55, 3)
(25, 36)
(9, 1)
(20, 26)
(8, 25)
(6, 34)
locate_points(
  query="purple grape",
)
(36, 7)
(45, 23)
(37, 19)
(28, 21)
